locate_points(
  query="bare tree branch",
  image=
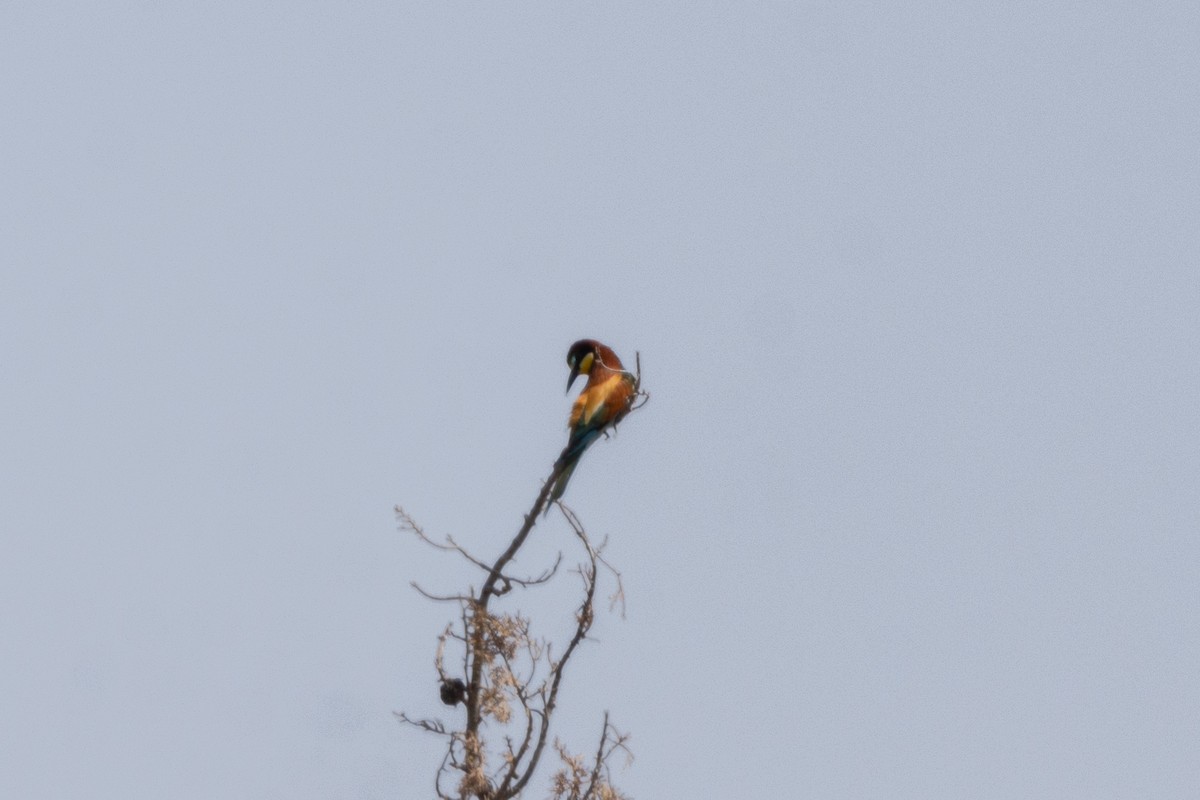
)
(441, 598)
(599, 761)
(505, 668)
(584, 617)
(451, 546)
(431, 725)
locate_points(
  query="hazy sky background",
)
(912, 513)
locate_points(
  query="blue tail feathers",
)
(569, 460)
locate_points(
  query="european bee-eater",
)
(604, 401)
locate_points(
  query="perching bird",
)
(603, 402)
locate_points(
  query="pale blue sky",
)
(913, 512)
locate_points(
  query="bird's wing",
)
(601, 404)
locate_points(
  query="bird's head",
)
(580, 359)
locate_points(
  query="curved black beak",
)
(574, 375)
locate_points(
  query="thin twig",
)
(599, 758)
(431, 725)
(440, 598)
(451, 546)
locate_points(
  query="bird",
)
(604, 402)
